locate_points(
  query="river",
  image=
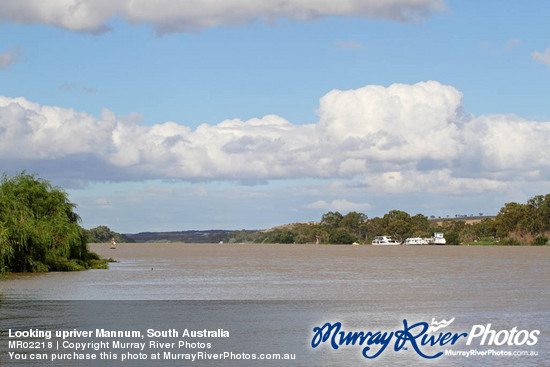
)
(302, 286)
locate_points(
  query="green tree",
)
(453, 225)
(421, 226)
(341, 236)
(539, 214)
(375, 227)
(355, 223)
(453, 238)
(307, 232)
(511, 217)
(485, 228)
(397, 223)
(277, 235)
(239, 236)
(39, 228)
(331, 219)
(103, 234)
(286, 237)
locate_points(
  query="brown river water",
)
(411, 276)
(297, 287)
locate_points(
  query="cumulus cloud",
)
(397, 139)
(543, 58)
(180, 16)
(48, 131)
(434, 182)
(11, 56)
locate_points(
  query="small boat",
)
(385, 240)
(355, 243)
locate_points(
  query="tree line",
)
(515, 224)
(336, 228)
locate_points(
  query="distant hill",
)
(209, 236)
(288, 226)
(468, 219)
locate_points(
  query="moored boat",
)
(416, 241)
(438, 239)
(385, 240)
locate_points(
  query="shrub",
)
(540, 241)
(341, 236)
(510, 242)
(453, 238)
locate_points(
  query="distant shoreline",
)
(479, 244)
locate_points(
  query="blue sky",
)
(247, 114)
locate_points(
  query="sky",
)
(246, 114)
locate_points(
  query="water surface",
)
(280, 292)
(427, 276)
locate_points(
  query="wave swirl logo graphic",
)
(435, 326)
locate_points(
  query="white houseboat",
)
(436, 239)
(416, 241)
(385, 240)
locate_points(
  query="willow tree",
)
(39, 229)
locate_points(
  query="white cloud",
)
(12, 56)
(399, 139)
(180, 16)
(401, 122)
(339, 205)
(49, 131)
(433, 182)
(543, 58)
(505, 145)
